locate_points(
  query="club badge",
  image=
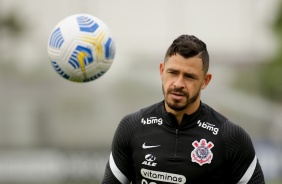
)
(202, 153)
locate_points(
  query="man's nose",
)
(179, 82)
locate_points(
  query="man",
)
(181, 139)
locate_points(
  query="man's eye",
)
(172, 72)
(190, 77)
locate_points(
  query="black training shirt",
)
(149, 147)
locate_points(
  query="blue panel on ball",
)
(109, 49)
(87, 24)
(56, 39)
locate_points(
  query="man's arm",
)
(113, 174)
(119, 168)
(257, 176)
(240, 154)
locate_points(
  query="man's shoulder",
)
(151, 109)
(221, 119)
(214, 114)
(143, 112)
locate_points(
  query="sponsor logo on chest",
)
(151, 121)
(208, 126)
(162, 177)
(149, 160)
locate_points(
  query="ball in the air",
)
(81, 48)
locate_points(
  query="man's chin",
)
(176, 106)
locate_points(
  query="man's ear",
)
(161, 70)
(206, 81)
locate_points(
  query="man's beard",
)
(175, 105)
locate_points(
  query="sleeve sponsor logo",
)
(202, 153)
(163, 176)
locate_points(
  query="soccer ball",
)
(81, 48)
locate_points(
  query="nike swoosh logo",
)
(146, 147)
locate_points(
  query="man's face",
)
(182, 81)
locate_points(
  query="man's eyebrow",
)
(192, 75)
(186, 74)
(171, 69)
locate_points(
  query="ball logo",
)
(202, 153)
(80, 58)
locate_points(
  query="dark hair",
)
(189, 46)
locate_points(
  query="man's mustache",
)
(177, 90)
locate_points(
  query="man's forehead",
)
(184, 62)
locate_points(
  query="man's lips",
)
(177, 95)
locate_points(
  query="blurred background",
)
(53, 131)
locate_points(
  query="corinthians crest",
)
(202, 153)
